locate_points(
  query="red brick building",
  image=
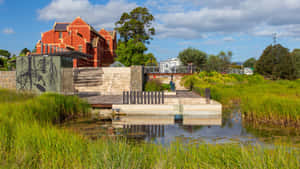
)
(80, 36)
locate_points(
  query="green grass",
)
(29, 139)
(261, 101)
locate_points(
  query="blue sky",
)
(244, 27)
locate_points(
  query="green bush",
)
(153, 85)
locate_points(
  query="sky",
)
(244, 27)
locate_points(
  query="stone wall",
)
(137, 79)
(8, 79)
(108, 80)
(166, 78)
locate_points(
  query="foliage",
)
(296, 59)
(153, 85)
(250, 63)
(218, 63)
(136, 25)
(29, 141)
(4, 53)
(132, 53)
(261, 101)
(166, 87)
(24, 52)
(192, 55)
(277, 63)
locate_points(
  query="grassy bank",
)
(261, 101)
(29, 139)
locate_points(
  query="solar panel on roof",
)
(61, 26)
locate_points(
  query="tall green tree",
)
(195, 56)
(214, 63)
(296, 60)
(5, 53)
(136, 25)
(276, 62)
(225, 60)
(135, 30)
(133, 53)
(250, 63)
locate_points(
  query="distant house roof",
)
(61, 26)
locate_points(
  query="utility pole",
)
(275, 38)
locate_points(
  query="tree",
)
(225, 60)
(136, 25)
(276, 62)
(214, 63)
(296, 60)
(24, 52)
(192, 55)
(4, 53)
(250, 63)
(132, 53)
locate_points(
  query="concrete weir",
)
(176, 103)
(173, 109)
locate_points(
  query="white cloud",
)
(228, 39)
(231, 16)
(8, 31)
(190, 19)
(100, 16)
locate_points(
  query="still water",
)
(167, 129)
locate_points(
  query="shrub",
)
(153, 85)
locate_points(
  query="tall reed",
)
(261, 101)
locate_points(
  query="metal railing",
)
(175, 69)
(139, 97)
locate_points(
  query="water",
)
(167, 129)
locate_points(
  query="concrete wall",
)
(67, 85)
(108, 80)
(166, 78)
(8, 79)
(39, 73)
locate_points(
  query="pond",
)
(229, 128)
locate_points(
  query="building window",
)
(80, 48)
(60, 35)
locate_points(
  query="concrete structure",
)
(108, 80)
(169, 65)
(44, 74)
(80, 36)
(8, 79)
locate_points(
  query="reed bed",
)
(29, 139)
(261, 100)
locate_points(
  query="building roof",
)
(61, 26)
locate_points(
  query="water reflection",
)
(166, 129)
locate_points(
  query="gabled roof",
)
(61, 26)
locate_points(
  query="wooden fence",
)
(139, 97)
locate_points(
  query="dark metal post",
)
(155, 97)
(123, 97)
(142, 97)
(207, 95)
(127, 97)
(159, 97)
(148, 97)
(145, 97)
(130, 95)
(163, 97)
(138, 97)
(151, 97)
(134, 97)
